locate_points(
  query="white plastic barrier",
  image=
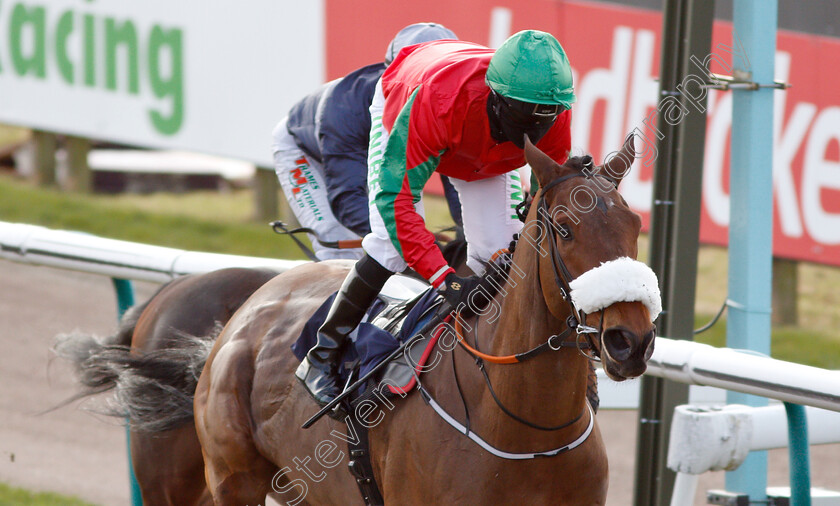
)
(716, 439)
(701, 364)
(119, 259)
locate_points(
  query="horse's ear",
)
(618, 164)
(541, 164)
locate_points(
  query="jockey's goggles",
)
(527, 114)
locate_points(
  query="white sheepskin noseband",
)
(619, 280)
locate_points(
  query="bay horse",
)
(143, 360)
(249, 408)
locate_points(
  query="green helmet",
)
(531, 66)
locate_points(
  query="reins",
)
(576, 322)
(555, 342)
(465, 429)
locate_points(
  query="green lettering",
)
(63, 29)
(170, 86)
(90, 51)
(35, 19)
(125, 35)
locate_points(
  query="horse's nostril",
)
(619, 342)
(647, 343)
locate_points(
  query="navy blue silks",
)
(368, 343)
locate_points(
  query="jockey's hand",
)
(468, 295)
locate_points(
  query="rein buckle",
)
(551, 342)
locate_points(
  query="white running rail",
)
(682, 361)
(119, 259)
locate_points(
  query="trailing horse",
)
(152, 363)
(578, 291)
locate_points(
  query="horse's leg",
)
(169, 467)
(236, 473)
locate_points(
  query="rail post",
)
(798, 455)
(675, 230)
(125, 299)
(751, 208)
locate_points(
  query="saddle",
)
(403, 306)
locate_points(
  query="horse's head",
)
(587, 238)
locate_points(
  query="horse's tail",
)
(154, 390)
(89, 354)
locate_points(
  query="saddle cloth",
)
(403, 307)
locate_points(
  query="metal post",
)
(751, 209)
(675, 227)
(266, 203)
(798, 458)
(125, 299)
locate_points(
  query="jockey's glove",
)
(468, 296)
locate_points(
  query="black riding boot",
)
(319, 370)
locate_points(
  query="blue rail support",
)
(751, 208)
(798, 455)
(125, 299)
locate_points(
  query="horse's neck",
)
(549, 389)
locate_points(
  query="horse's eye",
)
(565, 231)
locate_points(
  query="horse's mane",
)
(499, 271)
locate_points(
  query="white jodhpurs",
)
(302, 180)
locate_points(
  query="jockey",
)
(462, 110)
(320, 151)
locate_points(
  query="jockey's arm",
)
(344, 137)
(416, 142)
(346, 180)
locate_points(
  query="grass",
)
(792, 344)
(203, 221)
(11, 496)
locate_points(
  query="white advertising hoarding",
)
(206, 76)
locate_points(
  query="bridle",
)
(576, 322)
(562, 277)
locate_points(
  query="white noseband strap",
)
(619, 280)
